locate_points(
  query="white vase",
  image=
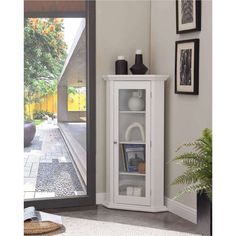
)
(136, 102)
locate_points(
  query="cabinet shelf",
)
(132, 142)
(132, 173)
(132, 112)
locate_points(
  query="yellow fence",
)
(76, 102)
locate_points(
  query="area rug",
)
(84, 227)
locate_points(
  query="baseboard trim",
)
(100, 198)
(181, 210)
(177, 208)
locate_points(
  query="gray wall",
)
(186, 115)
(121, 28)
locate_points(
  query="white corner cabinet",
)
(135, 142)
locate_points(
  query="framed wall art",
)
(188, 16)
(187, 66)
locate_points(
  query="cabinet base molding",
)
(101, 200)
(135, 207)
(172, 206)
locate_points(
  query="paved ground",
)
(46, 158)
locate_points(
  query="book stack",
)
(131, 156)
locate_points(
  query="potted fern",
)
(198, 177)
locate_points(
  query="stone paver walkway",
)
(47, 147)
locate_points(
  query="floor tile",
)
(29, 184)
(29, 195)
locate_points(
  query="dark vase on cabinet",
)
(138, 68)
(121, 66)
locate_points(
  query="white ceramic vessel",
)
(136, 103)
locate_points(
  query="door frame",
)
(90, 198)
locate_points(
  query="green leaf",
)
(198, 162)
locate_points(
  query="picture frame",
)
(187, 66)
(188, 16)
(134, 154)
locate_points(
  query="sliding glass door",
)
(59, 111)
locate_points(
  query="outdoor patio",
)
(48, 167)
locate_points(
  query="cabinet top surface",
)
(136, 77)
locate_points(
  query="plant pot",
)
(29, 132)
(204, 214)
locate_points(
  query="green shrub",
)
(42, 115)
(39, 115)
(48, 113)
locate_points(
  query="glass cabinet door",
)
(132, 143)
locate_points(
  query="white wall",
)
(186, 115)
(121, 28)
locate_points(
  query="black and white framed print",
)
(188, 16)
(187, 66)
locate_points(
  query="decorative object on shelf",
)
(137, 191)
(141, 168)
(198, 178)
(134, 154)
(188, 16)
(121, 66)
(129, 191)
(133, 191)
(138, 68)
(187, 66)
(133, 126)
(136, 103)
(122, 163)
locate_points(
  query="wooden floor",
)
(164, 220)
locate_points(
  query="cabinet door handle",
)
(115, 142)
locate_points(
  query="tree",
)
(44, 48)
(44, 56)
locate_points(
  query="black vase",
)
(121, 66)
(204, 214)
(138, 68)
